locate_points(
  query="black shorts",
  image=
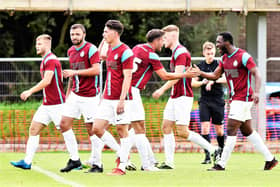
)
(212, 110)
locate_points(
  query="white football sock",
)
(109, 140)
(96, 150)
(31, 147)
(141, 144)
(151, 155)
(228, 148)
(124, 152)
(169, 147)
(259, 145)
(131, 135)
(196, 138)
(71, 144)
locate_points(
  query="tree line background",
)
(18, 30)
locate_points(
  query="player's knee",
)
(246, 132)
(231, 132)
(33, 131)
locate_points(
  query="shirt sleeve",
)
(93, 55)
(154, 61)
(248, 61)
(127, 59)
(50, 65)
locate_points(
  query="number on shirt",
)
(136, 61)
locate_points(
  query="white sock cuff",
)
(124, 140)
(254, 133)
(168, 135)
(191, 134)
(70, 131)
(131, 131)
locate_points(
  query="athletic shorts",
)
(49, 113)
(178, 110)
(212, 110)
(240, 110)
(137, 108)
(108, 111)
(76, 106)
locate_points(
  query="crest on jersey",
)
(82, 54)
(116, 57)
(235, 63)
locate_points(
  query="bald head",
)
(43, 44)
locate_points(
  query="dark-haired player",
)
(239, 67)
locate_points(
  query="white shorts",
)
(178, 110)
(76, 106)
(47, 113)
(108, 111)
(240, 110)
(136, 108)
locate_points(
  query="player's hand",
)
(209, 85)
(120, 107)
(24, 95)
(69, 73)
(256, 97)
(192, 72)
(205, 81)
(157, 94)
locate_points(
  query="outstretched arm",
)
(168, 84)
(213, 75)
(189, 73)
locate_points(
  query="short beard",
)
(78, 42)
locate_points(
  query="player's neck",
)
(46, 53)
(115, 43)
(78, 46)
(231, 49)
(209, 61)
(174, 45)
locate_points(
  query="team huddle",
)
(128, 71)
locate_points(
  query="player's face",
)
(77, 36)
(209, 53)
(167, 39)
(109, 35)
(159, 44)
(220, 44)
(40, 46)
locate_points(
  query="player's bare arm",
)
(213, 75)
(159, 92)
(48, 75)
(125, 87)
(255, 72)
(69, 86)
(196, 83)
(190, 73)
(92, 71)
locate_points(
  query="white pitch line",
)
(56, 177)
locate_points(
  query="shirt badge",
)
(116, 57)
(235, 63)
(82, 54)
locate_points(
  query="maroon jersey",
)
(53, 94)
(83, 58)
(237, 70)
(119, 58)
(145, 62)
(181, 56)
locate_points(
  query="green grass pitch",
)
(244, 169)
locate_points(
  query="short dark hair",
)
(154, 34)
(79, 26)
(227, 37)
(115, 25)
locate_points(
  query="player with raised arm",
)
(211, 101)
(178, 108)
(114, 106)
(82, 98)
(53, 98)
(239, 67)
(146, 61)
